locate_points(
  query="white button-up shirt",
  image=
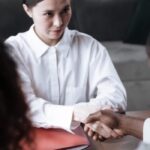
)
(55, 78)
(146, 131)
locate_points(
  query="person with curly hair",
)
(15, 126)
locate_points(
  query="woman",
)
(14, 123)
(66, 75)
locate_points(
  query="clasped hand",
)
(98, 124)
(105, 123)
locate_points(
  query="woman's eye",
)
(49, 14)
(66, 10)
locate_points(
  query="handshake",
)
(99, 124)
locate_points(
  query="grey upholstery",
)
(111, 21)
(132, 65)
(106, 20)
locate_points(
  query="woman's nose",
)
(57, 22)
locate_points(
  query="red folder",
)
(54, 139)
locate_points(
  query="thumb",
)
(93, 117)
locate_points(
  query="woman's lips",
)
(56, 31)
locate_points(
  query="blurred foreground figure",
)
(14, 123)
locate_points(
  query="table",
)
(125, 143)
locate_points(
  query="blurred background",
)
(122, 26)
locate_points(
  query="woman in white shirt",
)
(66, 75)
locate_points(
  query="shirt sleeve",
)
(42, 113)
(146, 131)
(109, 91)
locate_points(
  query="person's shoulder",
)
(82, 35)
(19, 36)
(87, 43)
(85, 38)
(16, 41)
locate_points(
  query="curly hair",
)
(14, 123)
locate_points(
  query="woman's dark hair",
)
(14, 123)
(31, 3)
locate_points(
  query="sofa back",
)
(106, 20)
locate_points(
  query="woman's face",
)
(50, 18)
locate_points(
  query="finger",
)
(95, 136)
(101, 129)
(94, 126)
(119, 132)
(86, 128)
(114, 135)
(101, 138)
(105, 131)
(90, 133)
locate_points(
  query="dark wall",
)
(103, 19)
(12, 18)
(106, 20)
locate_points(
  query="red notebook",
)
(55, 139)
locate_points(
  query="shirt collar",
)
(39, 47)
(64, 45)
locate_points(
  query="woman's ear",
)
(27, 10)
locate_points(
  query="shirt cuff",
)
(59, 116)
(146, 131)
